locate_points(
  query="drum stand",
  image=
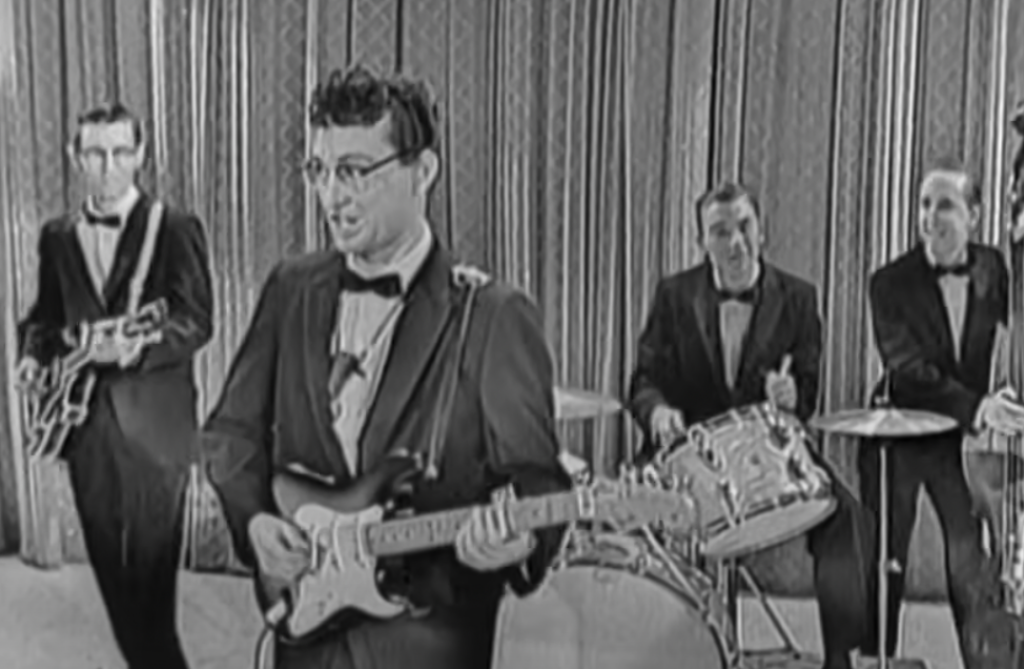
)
(727, 572)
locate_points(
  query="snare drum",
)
(613, 604)
(753, 480)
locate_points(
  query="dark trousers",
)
(130, 510)
(935, 465)
(841, 547)
(445, 640)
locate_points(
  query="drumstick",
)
(787, 361)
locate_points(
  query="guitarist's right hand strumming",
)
(282, 552)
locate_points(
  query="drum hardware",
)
(886, 423)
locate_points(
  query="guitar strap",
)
(473, 280)
(138, 282)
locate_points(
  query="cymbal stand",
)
(884, 568)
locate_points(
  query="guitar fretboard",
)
(433, 530)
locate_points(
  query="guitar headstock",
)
(642, 497)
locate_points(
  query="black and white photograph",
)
(512, 334)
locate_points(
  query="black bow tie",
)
(963, 269)
(387, 285)
(112, 221)
(748, 296)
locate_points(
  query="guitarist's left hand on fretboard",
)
(487, 543)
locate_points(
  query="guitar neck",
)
(434, 530)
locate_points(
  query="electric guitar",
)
(56, 399)
(348, 534)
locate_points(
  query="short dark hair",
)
(359, 97)
(111, 112)
(972, 185)
(725, 192)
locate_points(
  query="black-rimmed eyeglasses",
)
(350, 175)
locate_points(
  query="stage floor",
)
(51, 619)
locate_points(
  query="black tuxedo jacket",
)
(154, 401)
(914, 337)
(274, 415)
(679, 361)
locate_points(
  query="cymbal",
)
(573, 404)
(887, 422)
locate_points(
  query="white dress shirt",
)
(99, 242)
(733, 322)
(954, 297)
(365, 327)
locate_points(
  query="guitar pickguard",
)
(343, 573)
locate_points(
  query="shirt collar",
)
(406, 265)
(123, 207)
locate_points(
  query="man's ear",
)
(428, 167)
(140, 155)
(974, 216)
(72, 152)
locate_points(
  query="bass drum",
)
(614, 605)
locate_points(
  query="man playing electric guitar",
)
(345, 365)
(129, 460)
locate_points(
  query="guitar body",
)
(342, 582)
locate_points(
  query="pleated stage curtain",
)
(577, 135)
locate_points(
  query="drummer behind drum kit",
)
(647, 599)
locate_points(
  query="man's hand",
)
(131, 350)
(780, 386)
(486, 543)
(117, 350)
(27, 373)
(281, 548)
(1001, 412)
(106, 351)
(667, 425)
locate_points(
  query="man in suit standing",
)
(936, 310)
(715, 340)
(344, 363)
(128, 462)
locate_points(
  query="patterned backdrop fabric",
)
(577, 135)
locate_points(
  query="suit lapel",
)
(976, 320)
(417, 335)
(126, 256)
(925, 296)
(320, 313)
(705, 308)
(763, 323)
(81, 277)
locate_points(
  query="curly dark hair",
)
(359, 97)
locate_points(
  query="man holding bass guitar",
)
(361, 357)
(936, 311)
